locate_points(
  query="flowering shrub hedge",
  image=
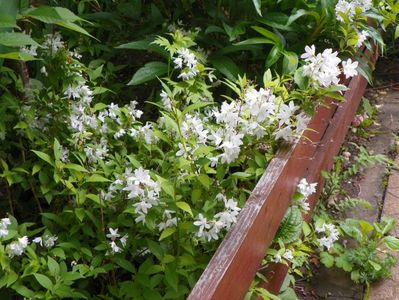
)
(108, 196)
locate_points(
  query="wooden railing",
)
(238, 258)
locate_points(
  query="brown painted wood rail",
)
(236, 261)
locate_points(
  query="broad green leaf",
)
(75, 167)
(171, 277)
(226, 66)
(97, 178)
(16, 39)
(57, 15)
(196, 106)
(44, 156)
(269, 35)
(205, 180)
(391, 242)
(18, 56)
(396, 32)
(7, 21)
(290, 62)
(149, 72)
(166, 186)
(44, 281)
(184, 206)
(53, 266)
(273, 56)
(167, 232)
(326, 259)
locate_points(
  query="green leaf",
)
(258, 6)
(269, 35)
(226, 66)
(75, 167)
(57, 15)
(185, 207)
(44, 281)
(171, 277)
(166, 186)
(396, 32)
(97, 178)
(149, 72)
(18, 56)
(255, 41)
(44, 156)
(57, 149)
(273, 56)
(7, 21)
(343, 263)
(16, 39)
(326, 259)
(205, 180)
(167, 232)
(301, 81)
(146, 45)
(391, 242)
(53, 266)
(376, 266)
(290, 62)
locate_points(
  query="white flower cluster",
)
(17, 248)
(32, 50)
(305, 189)
(258, 110)
(187, 63)
(209, 229)
(288, 255)
(142, 188)
(46, 241)
(348, 8)
(53, 42)
(323, 68)
(113, 235)
(4, 223)
(331, 236)
(168, 220)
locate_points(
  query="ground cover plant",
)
(133, 132)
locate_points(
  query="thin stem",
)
(35, 195)
(9, 199)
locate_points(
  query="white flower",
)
(32, 50)
(202, 223)
(284, 133)
(288, 255)
(305, 188)
(17, 248)
(53, 42)
(113, 234)
(332, 235)
(49, 241)
(363, 35)
(349, 68)
(123, 240)
(43, 71)
(169, 220)
(114, 247)
(321, 68)
(277, 258)
(187, 62)
(4, 223)
(286, 112)
(167, 103)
